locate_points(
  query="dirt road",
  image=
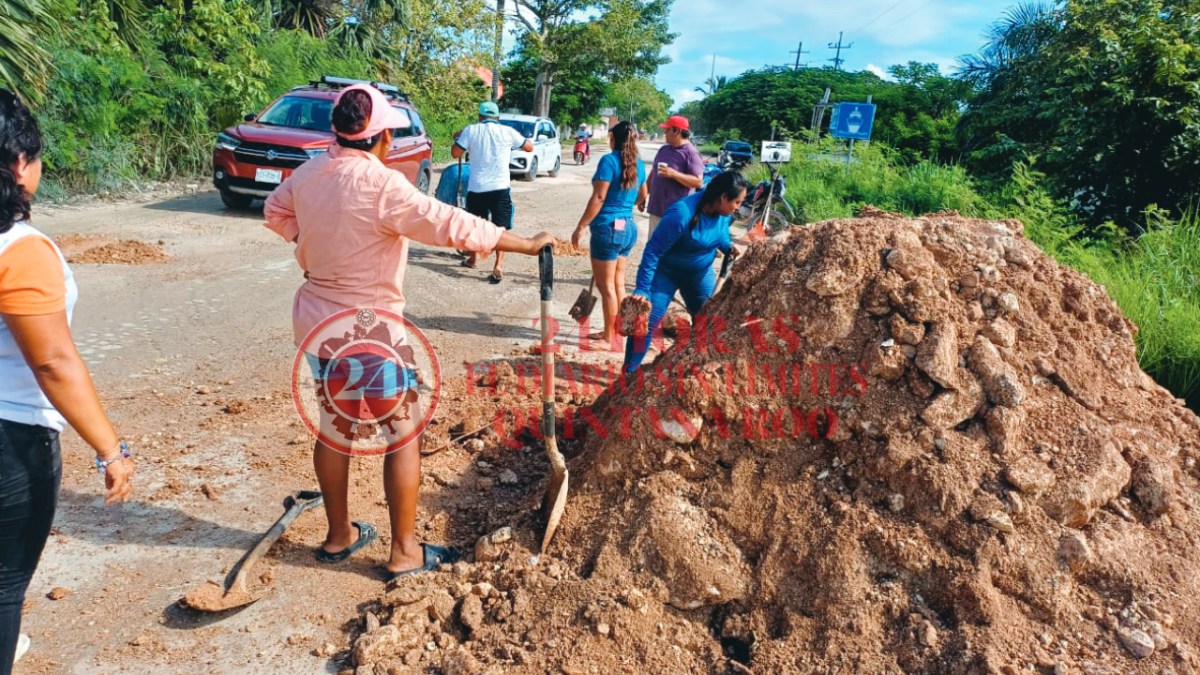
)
(192, 357)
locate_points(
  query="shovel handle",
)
(546, 272)
(725, 265)
(294, 505)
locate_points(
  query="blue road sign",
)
(852, 120)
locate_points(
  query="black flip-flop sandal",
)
(434, 556)
(366, 534)
(495, 278)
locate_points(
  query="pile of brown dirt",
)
(98, 250)
(892, 445)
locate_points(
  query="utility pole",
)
(837, 60)
(798, 51)
(499, 46)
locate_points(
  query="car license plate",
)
(268, 176)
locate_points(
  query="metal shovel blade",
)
(212, 597)
(583, 306)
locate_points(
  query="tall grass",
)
(822, 185)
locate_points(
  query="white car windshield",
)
(525, 128)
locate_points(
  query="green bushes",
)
(115, 114)
(826, 187)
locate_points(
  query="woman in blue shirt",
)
(619, 182)
(680, 255)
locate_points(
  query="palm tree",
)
(1023, 31)
(711, 85)
(24, 64)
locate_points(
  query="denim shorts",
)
(609, 243)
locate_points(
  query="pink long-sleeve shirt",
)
(352, 219)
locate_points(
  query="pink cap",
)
(383, 115)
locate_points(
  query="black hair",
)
(19, 138)
(728, 184)
(686, 133)
(350, 116)
(625, 139)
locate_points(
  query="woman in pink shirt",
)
(351, 218)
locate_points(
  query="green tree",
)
(24, 64)
(1106, 93)
(916, 117)
(649, 104)
(613, 39)
(712, 84)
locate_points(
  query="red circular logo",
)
(366, 381)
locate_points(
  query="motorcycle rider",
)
(583, 138)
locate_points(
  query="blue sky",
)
(754, 33)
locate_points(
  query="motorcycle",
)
(764, 202)
(583, 151)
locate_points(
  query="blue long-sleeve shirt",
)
(677, 246)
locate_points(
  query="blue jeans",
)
(30, 473)
(696, 287)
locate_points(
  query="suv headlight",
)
(315, 152)
(227, 142)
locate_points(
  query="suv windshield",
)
(738, 147)
(300, 112)
(525, 128)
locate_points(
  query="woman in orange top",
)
(44, 382)
(352, 218)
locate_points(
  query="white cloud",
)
(879, 72)
(682, 96)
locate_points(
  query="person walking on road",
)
(678, 170)
(352, 218)
(45, 382)
(679, 257)
(619, 181)
(489, 193)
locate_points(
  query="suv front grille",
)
(264, 154)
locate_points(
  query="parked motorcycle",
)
(583, 151)
(766, 199)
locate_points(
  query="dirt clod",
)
(58, 593)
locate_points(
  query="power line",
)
(919, 8)
(880, 16)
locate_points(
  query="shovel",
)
(212, 597)
(725, 265)
(556, 487)
(584, 304)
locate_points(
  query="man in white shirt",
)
(490, 145)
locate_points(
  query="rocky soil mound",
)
(891, 445)
(100, 250)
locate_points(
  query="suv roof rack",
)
(331, 82)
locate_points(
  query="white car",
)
(547, 147)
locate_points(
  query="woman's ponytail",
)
(20, 141)
(625, 141)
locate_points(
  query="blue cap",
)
(489, 109)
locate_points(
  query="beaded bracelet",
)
(102, 464)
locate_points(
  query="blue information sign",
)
(852, 120)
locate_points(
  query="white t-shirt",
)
(491, 145)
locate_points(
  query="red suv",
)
(254, 157)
